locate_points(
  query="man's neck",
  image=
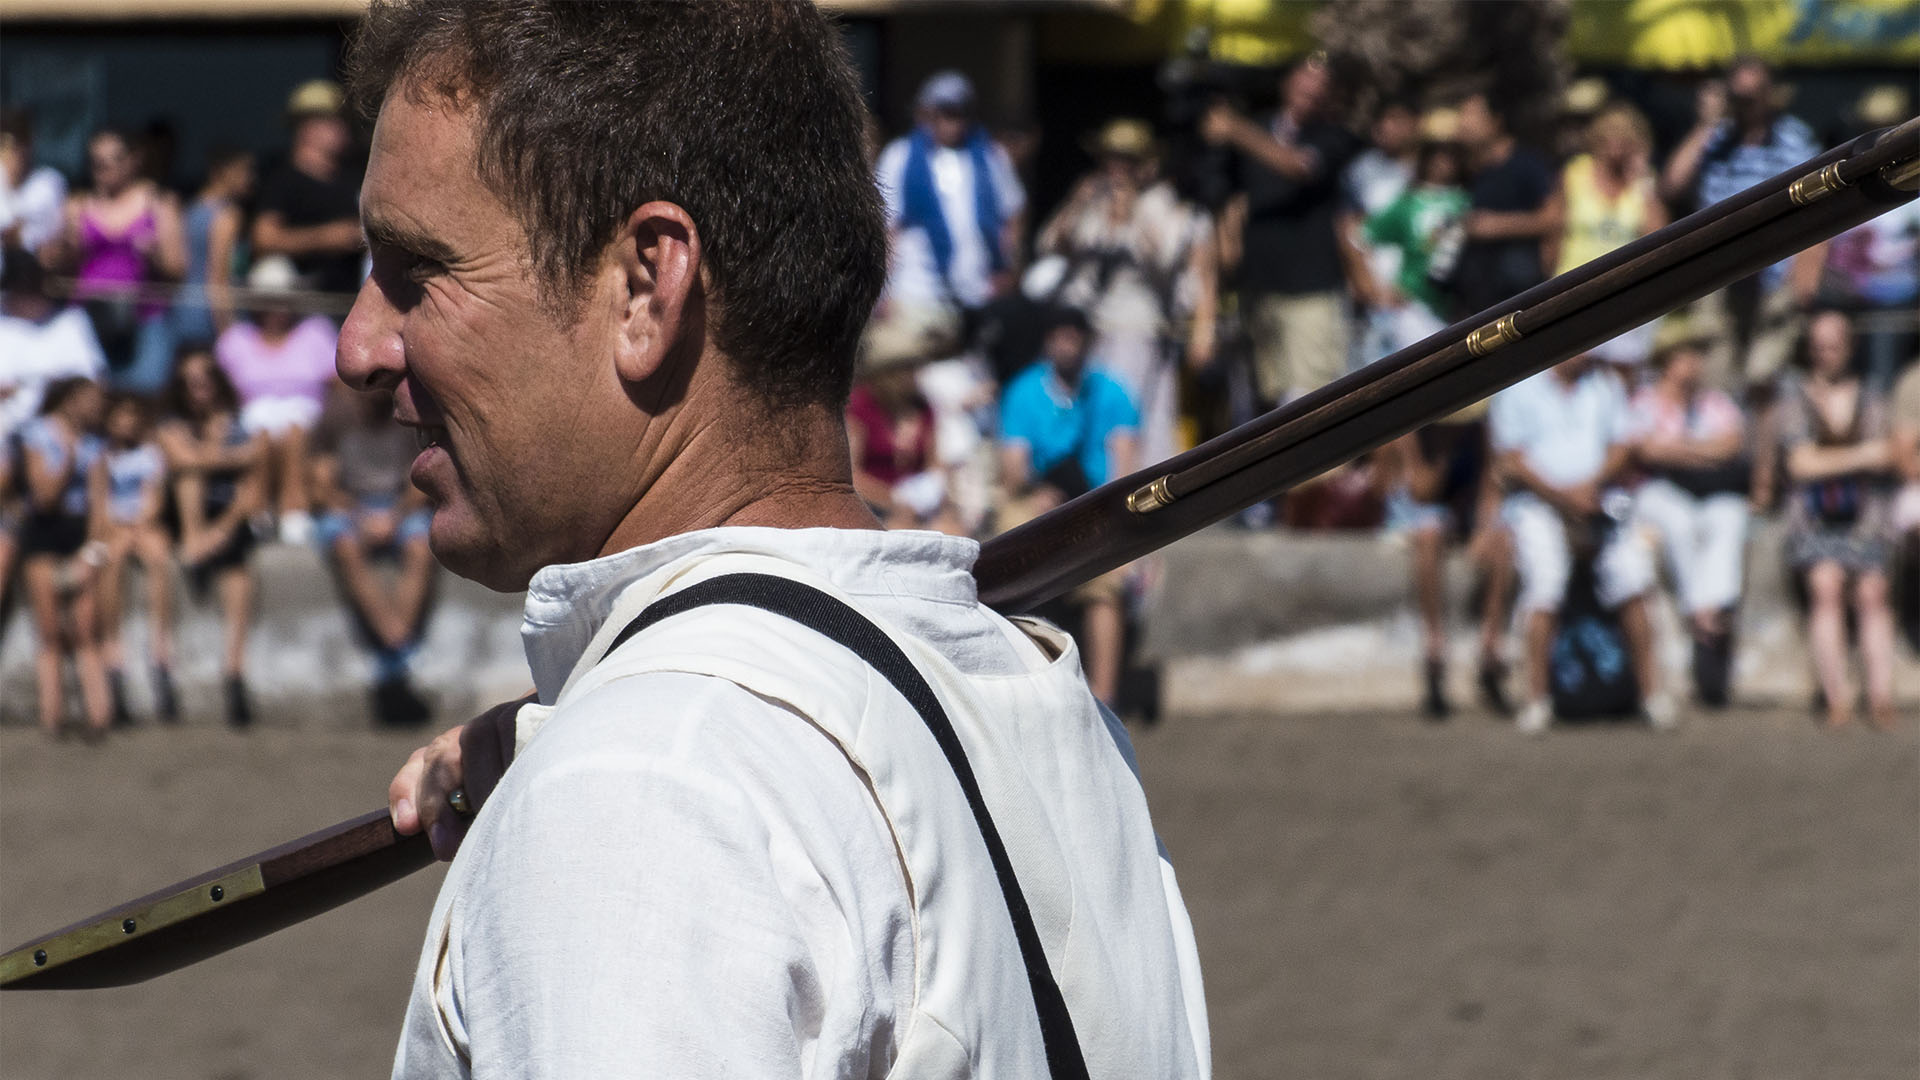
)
(798, 477)
(1497, 151)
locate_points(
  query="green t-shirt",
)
(1413, 223)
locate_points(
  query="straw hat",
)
(1676, 332)
(315, 97)
(1585, 96)
(1882, 106)
(1123, 136)
(1440, 126)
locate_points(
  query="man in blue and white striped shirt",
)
(1741, 138)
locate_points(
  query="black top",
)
(1493, 270)
(1291, 246)
(302, 202)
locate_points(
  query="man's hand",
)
(1219, 123)
(1581, 501)
(1710, 104)
(471, 757)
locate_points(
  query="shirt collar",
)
(567, 604)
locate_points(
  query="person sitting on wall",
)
(1065, 430)
(1560, 439)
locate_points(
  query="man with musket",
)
(791, 800)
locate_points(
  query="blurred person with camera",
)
(123, 233)
(1563, 438)
(1740, 137)
(309, 207)
(1690, 442)
(63, 468)
(955, 207)
(1836, 435)
(1293, 273)
(1066, 428)
(1139, 260)
(1606, 197)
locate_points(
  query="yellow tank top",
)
(1596, 224)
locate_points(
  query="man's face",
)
(1750, 93)
(1477, 124)
(1394, 130)
(948, 125)
(519, 408)
(326, 134)
(1306, 89)
(1830, 343)
(1067, 348)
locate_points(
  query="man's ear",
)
(657, 258)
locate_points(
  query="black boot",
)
(116, 687)
(166, 704)
(1436, 706)
(239, 712)
(1493, 687)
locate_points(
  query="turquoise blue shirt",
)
(1038, 410)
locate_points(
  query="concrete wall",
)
(1280, 621)
(305, 666)
(1241, 621)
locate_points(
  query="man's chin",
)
(475, 558)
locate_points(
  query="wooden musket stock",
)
(1109, 526)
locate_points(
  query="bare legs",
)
(149, 547)
(1827, 638)
(62, 626)
(391, 610)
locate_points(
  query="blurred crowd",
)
(167, 396)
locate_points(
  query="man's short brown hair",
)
(745, 113)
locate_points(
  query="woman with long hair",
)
(1834, 431)
(1608, 196)
(219, 484)
(65, 473)
(122, 233)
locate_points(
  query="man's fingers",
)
(402, 794)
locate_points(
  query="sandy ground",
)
(1374, 898)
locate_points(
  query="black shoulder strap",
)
(833, 619)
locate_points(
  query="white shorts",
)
(1624, 568)
(277, 415)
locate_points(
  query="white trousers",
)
(1545, 560)
(1703, 540)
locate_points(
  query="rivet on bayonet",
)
(1488, 338)
(1150, 498)
(1816, 185)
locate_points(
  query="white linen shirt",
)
(678, 877)
(1562, 432)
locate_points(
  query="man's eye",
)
(420, 268)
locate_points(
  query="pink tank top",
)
(108, 258)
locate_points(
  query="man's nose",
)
(371, 355)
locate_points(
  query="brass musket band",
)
(1150, 498)
(1817, 185)
(1503, 331)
